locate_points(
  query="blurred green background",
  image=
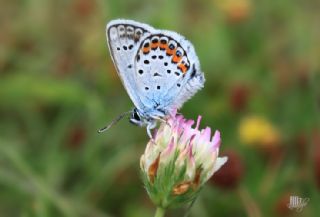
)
(58, 86)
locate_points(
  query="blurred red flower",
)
(316, 143)
(238, 97)
(237, 11)
(230, 176)
(75, 137)
(84, 8)
(281, 206)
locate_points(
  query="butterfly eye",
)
(136, 116)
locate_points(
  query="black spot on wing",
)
(194, 71)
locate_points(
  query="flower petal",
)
(216, 139)
(219, 163)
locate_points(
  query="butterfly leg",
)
(165, 121)
(149, 132)
(150, 126)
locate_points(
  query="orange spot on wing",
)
(146, 50)
(163, 46)
(169, 51)
(154, 45)
(176, 59)
(183, 67)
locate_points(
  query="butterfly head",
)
(139, 119)
(136, 118)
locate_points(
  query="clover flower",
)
(178, 161)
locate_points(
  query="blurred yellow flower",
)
(236, 10)
(257, 130)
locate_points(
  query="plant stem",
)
(249, 203)
(160, 212)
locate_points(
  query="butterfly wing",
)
(159, 69)
(124, 38)
(193, 78)
(167, 72)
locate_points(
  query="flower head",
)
(179, 160)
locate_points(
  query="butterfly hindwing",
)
(167, 71)
(193, 80)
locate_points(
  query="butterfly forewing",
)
(124, 39)
(163, 70)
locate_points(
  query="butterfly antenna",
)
(113, 122)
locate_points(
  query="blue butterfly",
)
(158, 68)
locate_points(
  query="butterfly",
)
(158, 68)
